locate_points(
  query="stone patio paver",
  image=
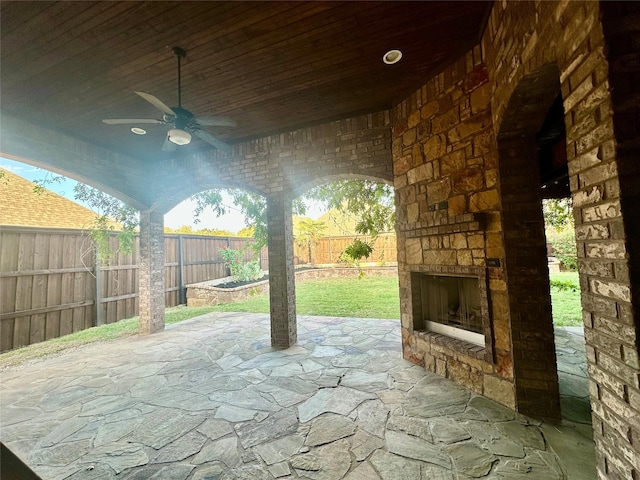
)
(210, 399)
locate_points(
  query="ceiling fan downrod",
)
(180, 53)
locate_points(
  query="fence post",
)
(182, 293)
(98, 276)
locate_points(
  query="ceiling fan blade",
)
(157, 103)
(216, 121)
(126, 121)
(168, 146)
(207, 137)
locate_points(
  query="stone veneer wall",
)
(448, 218)
(445, 156)
(460, 144)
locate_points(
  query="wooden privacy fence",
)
(49, 286)
(329, 249)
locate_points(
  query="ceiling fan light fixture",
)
(179, 137)
(392, 56)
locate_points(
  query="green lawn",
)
(369, 297)
(372, 297)
(565, 299)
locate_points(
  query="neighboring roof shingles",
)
(20, 205)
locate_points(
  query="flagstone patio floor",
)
(210, 399)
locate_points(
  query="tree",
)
(247, 232)
(559, 230)
(210, 232)
(109, 209)
(372, 202)
(251, 205)
(558, 212)
(216, 232)
(309, 232)
(182, 230)
(113, 217)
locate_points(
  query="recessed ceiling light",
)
(392, 56)
(139, 131)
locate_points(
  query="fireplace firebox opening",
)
(450, 305)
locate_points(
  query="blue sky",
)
(181, 215)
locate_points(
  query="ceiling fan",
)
(182, 121)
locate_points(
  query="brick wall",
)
(465, 144)
(282, 296)
(282, 167)
(610, 233)
(291, 162)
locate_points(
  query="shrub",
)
(241, 271)
(563, 241)
(564, 285)
(357, 250)
(251, 271)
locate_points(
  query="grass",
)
(369, 297)
(565, 299)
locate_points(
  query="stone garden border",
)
(210, 292)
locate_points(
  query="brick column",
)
(534, 357)
(281, 272)
(151, 276)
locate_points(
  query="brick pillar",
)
(534, 357)
(151, 273)
(281, 272)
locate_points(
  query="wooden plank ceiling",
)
(271, 66)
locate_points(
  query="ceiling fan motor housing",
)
(183, 119)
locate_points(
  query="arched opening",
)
(345, 258)
(217, 240)
(65, 265)
(76, 287)
(259, 302)
(563, 266)
(533, 167)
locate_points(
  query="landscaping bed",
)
(223, 290)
